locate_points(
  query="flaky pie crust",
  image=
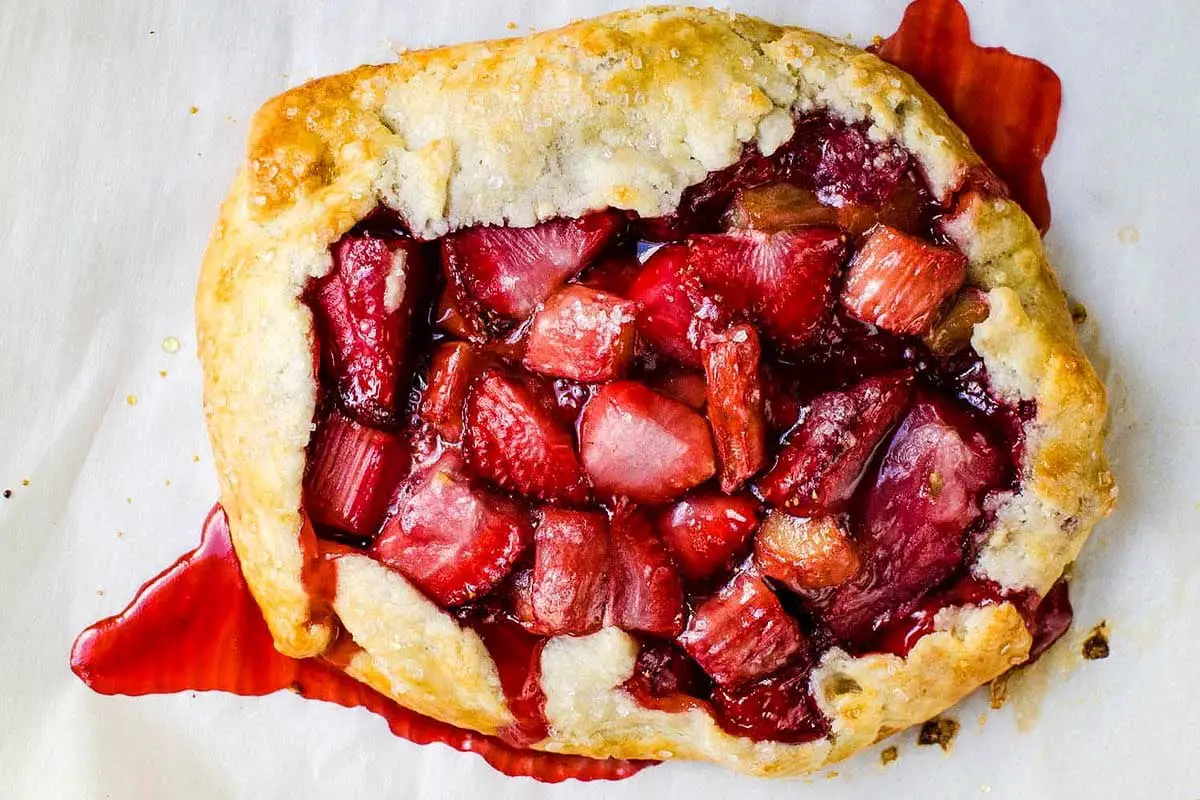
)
(622, 111)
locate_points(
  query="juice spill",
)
(1007, 104)
(196, 627)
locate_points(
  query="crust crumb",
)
(998, 691)
(888, 755)
(1095, 646)
(194, 110)
(170, 345)
(131, 399)
(940, 731)
(512, 26)
(1079, 312)
(24, 481)
(1128, 234)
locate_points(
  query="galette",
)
(668, 385)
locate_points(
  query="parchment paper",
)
(122, 124)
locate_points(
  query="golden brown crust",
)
(623, 111)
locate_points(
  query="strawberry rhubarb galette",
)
(668, 385)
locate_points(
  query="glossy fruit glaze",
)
(201, 604)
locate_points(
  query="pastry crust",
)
(625, 111)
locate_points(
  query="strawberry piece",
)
(898, 282)
(735, 404)
(742, 632)
(707, 530)
(824, 459)
(853, 168)
(614, 274)
(454, 541)
(517, 590)
(914, 516)
(777, 708)
(364, 309)
(570, 574)
(683, 385)
(781, 401)
(646, 593)
(669, 300)
(352, 474)
(453, 367)
(952, 333)
(510, 270)
(639, 444)
(665, 678)
(515, 440)
(582, 334)
(805, 553)
(784, 280)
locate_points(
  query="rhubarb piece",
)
(515, 439)
(639, 444)
(582, 334)
(570, 572)
(824, 459)
(364, 309)
(783, 280)
(742, 632)
(898, 282)
(805, 553)
(913, 517)
(451, 371)
(454, 541)
(735, 404)
(669, 299)
(707, 530)
(510, 270)
(776, 207)
(352, 474)
(646, 593)
(952, 333)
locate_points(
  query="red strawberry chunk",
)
(778, 708)
(707, 530)
(453, 367)
(669, 301)
(735, 403)
(898, 282)
(784, 280)
(510, 270)
(517, 590)
(570, 572)
(613, 275)
(805, 553)
(825, 458)
(454, 541)
(852, 167)
(515, 439)
(582, 334)
(742, 632)
(684, 385)
(352, 474)
(364, 308)
(914, 516)
(638, 444)
(646, 593)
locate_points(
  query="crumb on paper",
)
(99, 593)
(512, 26)
(170, 345)
(998, 690)
(1128, 234)
(831, 775)
(131, 399)
(982, 721)
(1079, 312)
(162, 373)
(985, 789)
(877, 41)
(120, 534)
(129, 500)
(195, 459)
(167, 482)
(24, 481)
(888, 755)
(194, 110)
(940, 731)
(7, 493)
(1095, 646)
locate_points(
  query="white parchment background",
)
(109, 184)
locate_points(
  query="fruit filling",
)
(744, 432)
